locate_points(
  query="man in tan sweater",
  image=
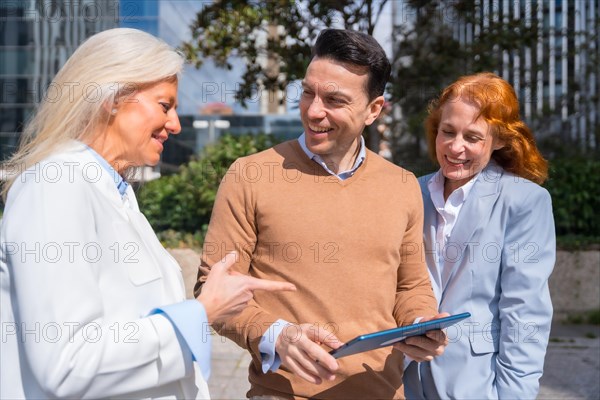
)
(342, 224)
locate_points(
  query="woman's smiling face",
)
(464, 143)
(142, 122)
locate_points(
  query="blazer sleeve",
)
(74, 349)
(233, 227)
(525, 307)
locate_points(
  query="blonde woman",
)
(92, 305)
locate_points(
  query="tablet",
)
(388, 337)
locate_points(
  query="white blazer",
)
(80, 269)
(501, 252)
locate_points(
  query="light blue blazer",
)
(501, 253)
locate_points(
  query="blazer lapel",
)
(474, 214)
(429, 240)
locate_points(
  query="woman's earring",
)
(113, 111)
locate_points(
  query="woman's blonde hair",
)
(499, 106)
(107, 66)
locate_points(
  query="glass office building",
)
(36, 38)
(140, 14)
(557, 78)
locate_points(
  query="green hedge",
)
(574, 185)
(183, 202)
(179, 206)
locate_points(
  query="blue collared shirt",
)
(362, 154)
(121, 183)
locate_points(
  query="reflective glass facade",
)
(36, 38)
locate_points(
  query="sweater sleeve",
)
(414, 295)
(233, 227)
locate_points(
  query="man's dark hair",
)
(359, 49)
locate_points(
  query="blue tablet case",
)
(388, 337)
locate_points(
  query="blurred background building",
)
(555, 69)
(38, 36)
(560, 72)
(557, 78)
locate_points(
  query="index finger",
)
(268, 285)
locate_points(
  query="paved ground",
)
(229, 370)
(572, 368)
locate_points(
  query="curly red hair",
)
(499, 106)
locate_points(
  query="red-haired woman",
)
(490, 245)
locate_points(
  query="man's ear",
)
(375, 107)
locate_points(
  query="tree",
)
(425, 57)
(274, 37)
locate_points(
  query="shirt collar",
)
(436, 188)
(121, 184)
(362, 154)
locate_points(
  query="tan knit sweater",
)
(353, 249)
